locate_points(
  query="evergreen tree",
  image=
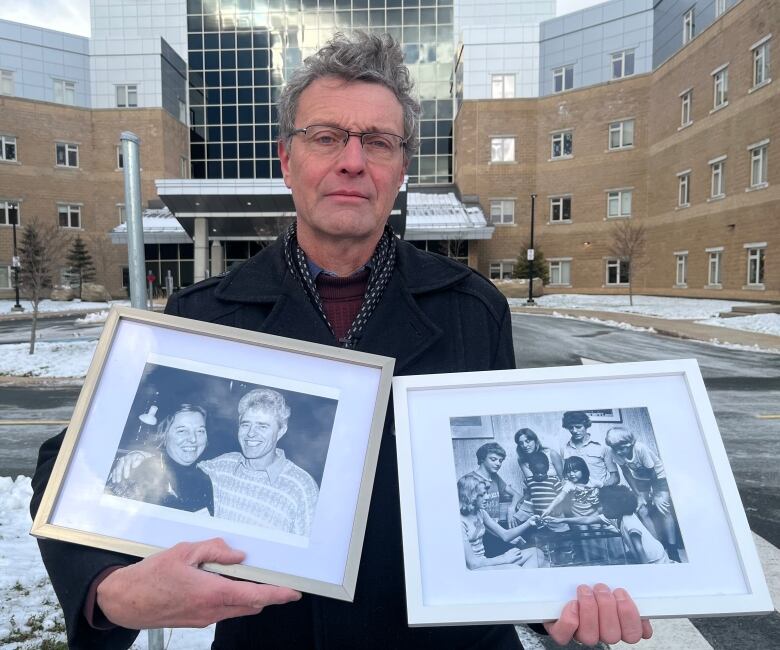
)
(539, 265)
(80, 261)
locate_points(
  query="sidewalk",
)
(683, 329)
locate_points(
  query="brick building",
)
(682, 150)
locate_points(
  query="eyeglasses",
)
(325, 140)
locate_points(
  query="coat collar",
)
(398, 327)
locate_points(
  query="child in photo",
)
(542, 488)
(644, 472)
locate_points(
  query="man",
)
(601, 464)
(259, 486)
(490, 457)
(347, 124)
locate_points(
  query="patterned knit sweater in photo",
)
(282, 497)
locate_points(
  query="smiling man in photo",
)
(259, 485)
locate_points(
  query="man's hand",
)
(169, 590)
(599, 614)
(123, 467)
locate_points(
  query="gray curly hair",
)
(375, 58)
(267, 400)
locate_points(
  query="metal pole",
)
(135, 229)
(530, 255)
(16, 265)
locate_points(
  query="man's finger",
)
(562, 630)
(588, 629)
(647, 629)
(213, 550)
(609, 625)
(254, 596)
(631, 626)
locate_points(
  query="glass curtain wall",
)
(241, 52)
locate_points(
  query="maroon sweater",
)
(342, 298)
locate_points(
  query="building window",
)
(502, 211)
(6, 82)
(617, 271)
(182, 112)
(720, 88)
(502, 150)
(9, 213)
(67, 155)
(69, 216)
(718, 178)
(621, 134)
(714, 267)
(7, 147)
(688, 26)
(184, 167)
(681, 274)
(127, 96)
(5, 277)
(619, 203)
(761, 63)
(684, 189)
(622, 64)
(720, 7)
(122, 212)
(560, 272)
(502, 269)
(561, 145)
(686, 103)
(755, 264)
(560, 208)
(563, 78)
(502, 86)
(758, 164)
(65, 92)
(120, 158)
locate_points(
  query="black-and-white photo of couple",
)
(238, 451)
(564, 488)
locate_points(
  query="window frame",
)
(720, 87)
(563, 137)
(720, 8)
(561, 263)
(501, 204)
(620, 197)
(762, 149)
(5, 141)
(562, 72)
(684, 184)
(9, 270)
(69, 148)
(756, 265)
(761, 61)
(508, 85)
(686, 108)
(125, 89)
(502, 273)
(619, 127)
(5, 212)
(717, 171)
(7, 81)
(503, 140)
(689, 26)
(714, 255)
(620, 272)
(681, 269)
(622, 58)
(561, 202)
(70, 209)
(63, 91)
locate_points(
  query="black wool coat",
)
(436, 315)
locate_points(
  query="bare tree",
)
(40, 255)
(628, 243)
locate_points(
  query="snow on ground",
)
(29, 612)
(92, 318)
(51, 359)
(762, 323)
(58, 305)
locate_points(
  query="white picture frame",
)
(147, 365)
(670, 395)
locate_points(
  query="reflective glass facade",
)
(241, 52)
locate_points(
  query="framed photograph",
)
(610, 473)
(186, 430)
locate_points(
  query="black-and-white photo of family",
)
(239, 451)
(564, 488)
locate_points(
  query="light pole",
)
(530, 256)
(15, 263)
